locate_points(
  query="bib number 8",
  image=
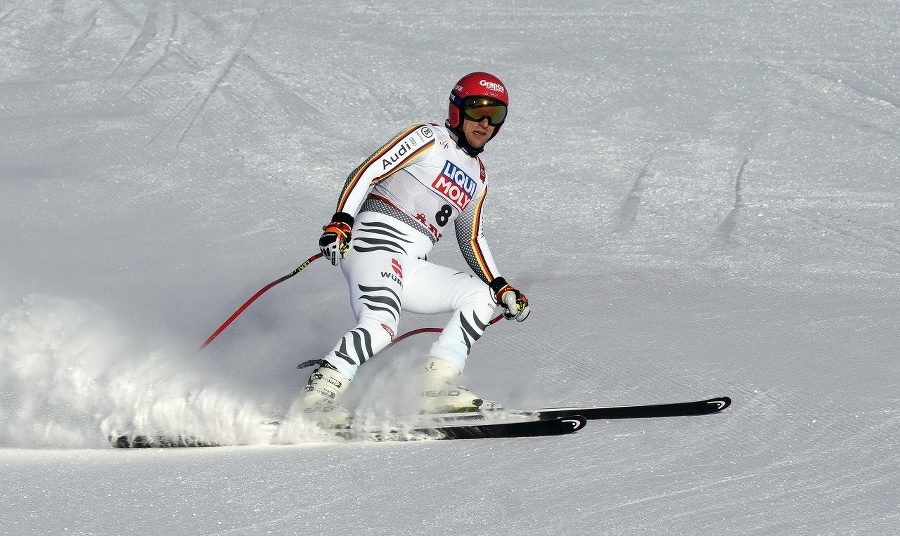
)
(443, 215)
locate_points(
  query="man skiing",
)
(396, 205)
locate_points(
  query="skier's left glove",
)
(335, 240)
(514, 303)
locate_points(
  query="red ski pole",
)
(240, 310)
(432, 330)
(314, 362)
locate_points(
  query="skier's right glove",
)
(514, 303)
(335, 240)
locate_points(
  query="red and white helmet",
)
(478, 84)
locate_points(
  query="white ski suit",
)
(403, 199)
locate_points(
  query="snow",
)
(699, 199)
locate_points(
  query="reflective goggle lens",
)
(477, 108)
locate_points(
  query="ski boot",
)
(318, 403)
(439, 392)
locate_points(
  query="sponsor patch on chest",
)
(454, 184)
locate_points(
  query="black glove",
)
(335, 240)
(514, 303)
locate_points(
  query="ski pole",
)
(432, 330)
(240, 310)
(315, 362)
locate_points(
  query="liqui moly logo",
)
(455, 185)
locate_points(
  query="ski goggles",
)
(478, 108)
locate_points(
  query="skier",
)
(396, 205)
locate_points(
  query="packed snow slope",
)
(698, 197)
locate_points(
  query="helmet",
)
(478, 84)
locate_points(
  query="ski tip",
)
(720, 403)
(576, 422)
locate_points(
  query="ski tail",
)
(158, 441)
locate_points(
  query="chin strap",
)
(461, 141)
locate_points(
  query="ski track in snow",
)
(699, 199)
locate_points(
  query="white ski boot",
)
(318, 403)
(439, 392)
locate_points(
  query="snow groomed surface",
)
(698, 198)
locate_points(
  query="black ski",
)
(158, 441)
(465, 430)
(544, 427)
(482, 424)
(641, 411)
